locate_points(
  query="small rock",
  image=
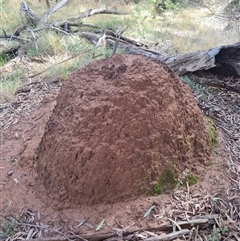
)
(14, 159)
(10, 172)
(15, 180)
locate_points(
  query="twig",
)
(168, 237)
(12, 37)
(65, 60)
(92, 12)
(4, 32)
(51, 10)
(117, 41)
(29, 224)
(19, 30)
(58, 29)
(175, 223)
(47, 227)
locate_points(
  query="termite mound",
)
(118, 124)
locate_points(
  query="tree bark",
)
(224, 60)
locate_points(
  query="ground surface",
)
(217, 192)
(22, 126)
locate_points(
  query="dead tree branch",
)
(27, 13)
(185, 225)
(40, 23)
(92, 12)
(35, 23)
(119, 34)
(50, 11)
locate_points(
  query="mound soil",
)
(118, 126)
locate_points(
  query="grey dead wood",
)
(33, 23)
(186, 226)
(221, 60)
(40, 22)
(170, 236)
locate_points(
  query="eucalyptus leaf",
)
(100, 225)
(149, 211)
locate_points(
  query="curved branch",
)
(92, 12)
(51, 10)
(28, 14)
(18, 39)
(15, 35)
(77, 20)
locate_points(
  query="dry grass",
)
(185, 30)
(9, 85)
(180, 31)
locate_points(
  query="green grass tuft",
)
(3, 59)
(7, 228)
(187, 177)
(166, 182)
(190, 179)
(10, 85)
(212, 133)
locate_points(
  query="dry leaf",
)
(149, 211)
(100, 225)
(15, 180)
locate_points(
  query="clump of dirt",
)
(118, 125)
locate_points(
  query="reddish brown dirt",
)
(22, 128)
(119, 124)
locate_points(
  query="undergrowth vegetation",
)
(9, 85)
(7, 229)
(167, 181)
(168, 26)
(181, 26)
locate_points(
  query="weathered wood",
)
(40, 22)
(33, 19)
(192, 62)
(28, 14)
(228, 60)
(50, 11)
(170, 236)
(222, 60)
(126, 45)
(187, 226)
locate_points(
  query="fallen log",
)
(224, 60)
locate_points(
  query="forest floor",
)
(217, 192)
(215, 199)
